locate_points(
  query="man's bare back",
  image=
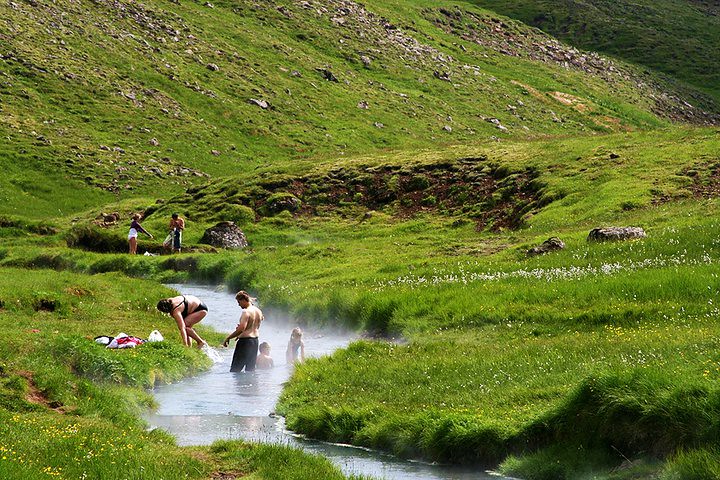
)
(252, 322)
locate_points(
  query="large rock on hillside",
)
(549, 245)
(225, 235)
(604, 234)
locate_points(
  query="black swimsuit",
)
(200, 308)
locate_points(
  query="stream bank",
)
(218, 404)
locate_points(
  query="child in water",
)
(296, 347)
(264, 360)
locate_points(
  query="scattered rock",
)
(213, 67)
(215, 152)
(364, 105)
(365, 60)
(603, 234)
(283, 201)
(378, 125)
(445, 76)
(327, 75)
(110, 217)
(260, 103)
(225, 235)
(447, 128)
(549, 245)
(154, 142)
(497, 124)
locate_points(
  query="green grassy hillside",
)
(123, 97)
(678, 37)
(391, 163)
(482, 353)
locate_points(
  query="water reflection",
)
(219, 404)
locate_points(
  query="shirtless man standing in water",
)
(246, 348)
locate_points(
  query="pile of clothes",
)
(123, 340)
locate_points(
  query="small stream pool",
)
(218, 404)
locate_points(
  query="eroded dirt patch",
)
(36, 396)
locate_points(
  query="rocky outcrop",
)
(604, 234)
(283, 201)
(549, 245)
(225, 235)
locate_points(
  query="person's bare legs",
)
(191, 333)
(133, 245)
(190, 321)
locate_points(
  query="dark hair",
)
(242, 295)
(174, 215)
(263, 345)
(165, 305)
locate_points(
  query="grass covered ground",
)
(69, 408)
(672, 36)
(106, 100)
(568, 365)
(390, 163)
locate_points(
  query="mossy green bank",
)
(70, 407)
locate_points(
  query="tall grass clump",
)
(693, 464)
(640, 411)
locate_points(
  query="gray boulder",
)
(549, 245)
(225, 235)
(605, 234)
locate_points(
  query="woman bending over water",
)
(187, 310)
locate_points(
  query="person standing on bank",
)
(174, 240)
(187, 310)
(135, 229)
(246, 348)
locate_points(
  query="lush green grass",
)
(407, 230)
(69, 408)
(115, 99)
(596, 347)
(673, 36)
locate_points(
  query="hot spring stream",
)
(218, 404)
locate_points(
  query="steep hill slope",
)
(679, 37)
(121, 96)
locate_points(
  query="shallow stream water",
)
(218, 404)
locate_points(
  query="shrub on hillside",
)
(417, 182)
(240, 214)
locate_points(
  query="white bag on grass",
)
(155, 336)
